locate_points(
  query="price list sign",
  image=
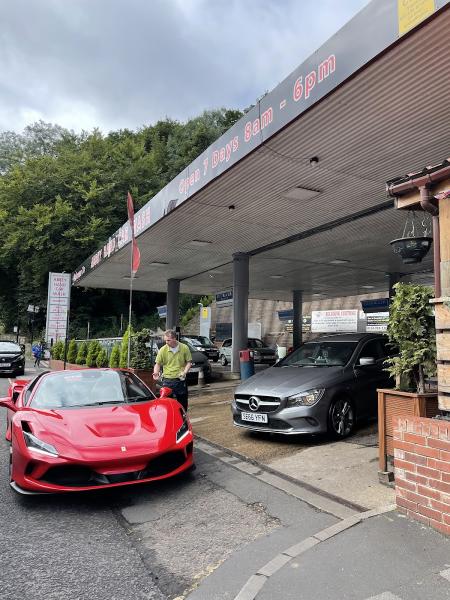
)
(58, 305)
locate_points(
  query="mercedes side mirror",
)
(366, 361)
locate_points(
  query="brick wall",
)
(422, 470)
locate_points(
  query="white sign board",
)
(333, 321)
(58, 305)
(254, 330)
(377, 321)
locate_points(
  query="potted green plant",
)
(140, 359)
(411, 332)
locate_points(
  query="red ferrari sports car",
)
(92, 429)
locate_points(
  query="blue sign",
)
(376, 305)
(162, 311)
(286, 315)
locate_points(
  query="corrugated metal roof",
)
(391, 118)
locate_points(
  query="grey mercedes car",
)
(325, 385)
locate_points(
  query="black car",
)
(202, 344)
(325, 385)
(12, 358)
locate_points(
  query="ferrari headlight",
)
(38, 445)
(184, 429)
(308, 398)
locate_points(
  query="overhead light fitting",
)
(314, 161)
(339, 261)
(276, 276)
(199, 243)
(317, 295)
(368, 287)
(158, 264)
(300, 193)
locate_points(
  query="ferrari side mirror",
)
(8, 403)
(165, 392)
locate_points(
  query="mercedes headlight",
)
(308, 398)
(184, 429)
(38, 445)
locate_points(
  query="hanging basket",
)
(411, 249)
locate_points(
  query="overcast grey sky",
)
(125, 63)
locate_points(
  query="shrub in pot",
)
(72, 351)
(93, 351)
(82, 354)
(102, 358)
(140, 354)
(124, 348)
(57, 350)
(411, 330)
(114, 359)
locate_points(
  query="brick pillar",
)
(442, 307)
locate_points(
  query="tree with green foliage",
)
(411, 330)
(114, 359)
(93, 351)
(72, 352)
(82, 353)
(61, 196)
(102, 358)
(124, 348)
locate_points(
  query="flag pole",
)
(135, 259)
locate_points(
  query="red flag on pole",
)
(136, 255)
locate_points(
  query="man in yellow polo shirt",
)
(176, 360)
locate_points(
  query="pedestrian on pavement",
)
(175, 360)
(38, 351)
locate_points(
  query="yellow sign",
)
(205, 312)
(413, 12)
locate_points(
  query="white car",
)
(261, 353)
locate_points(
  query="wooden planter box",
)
(394, 403)
(147, 378)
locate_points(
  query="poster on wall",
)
(334, 321)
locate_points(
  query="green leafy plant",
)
(82, 353)
(102, 358)
(114, 359)
(411, 330)
(93, 351)
(72, 351)
(57, 350)
(140, 353)
(124, 348)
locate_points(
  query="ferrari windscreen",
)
(88, 388)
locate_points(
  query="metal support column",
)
(297, 305)
(240, 307)
(393, 279)
(173, 292)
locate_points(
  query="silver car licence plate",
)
(255, 418)
(6, 365)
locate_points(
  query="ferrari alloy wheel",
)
(341, 420)
(223, 360)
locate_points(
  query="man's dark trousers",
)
(179, 390)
